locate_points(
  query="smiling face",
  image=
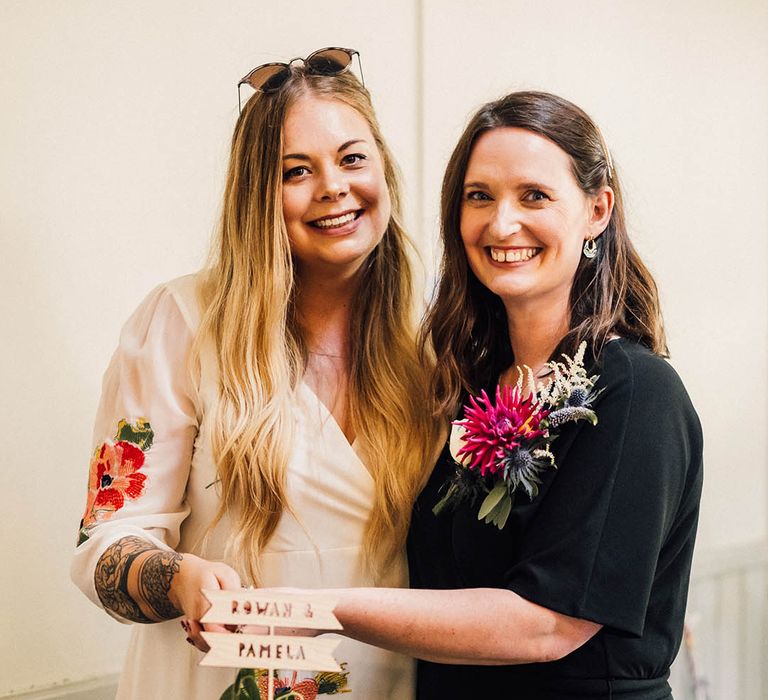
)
(524, 217)
(336, 203)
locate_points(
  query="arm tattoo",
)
(111, 577)
(155, 575)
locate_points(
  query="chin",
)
(505, 289)
(350, 259)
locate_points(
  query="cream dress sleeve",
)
(143, 438)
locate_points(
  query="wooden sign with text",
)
(251, 608)
(271, 651)
(248, 607)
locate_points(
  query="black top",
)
(609, 538)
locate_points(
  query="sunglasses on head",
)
(269, 77)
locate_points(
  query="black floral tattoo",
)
(155, 576)
(154, 580)
(111, 577)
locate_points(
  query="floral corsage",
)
(504, 446)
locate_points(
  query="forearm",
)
(483, 626)
(133, 579)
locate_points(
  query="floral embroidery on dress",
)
(115, 474)
(251, 684)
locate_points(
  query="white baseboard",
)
(101, 688)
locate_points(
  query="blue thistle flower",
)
(569, 414)
(578, 397)
(520, 468)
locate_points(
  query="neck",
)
(324, 309)
(535, 329)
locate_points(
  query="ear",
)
(600, 209)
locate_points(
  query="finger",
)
(194, 637)
(227, 578)
(215, 627)
(210, 580)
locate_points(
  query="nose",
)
(505, 221)
(332, 185)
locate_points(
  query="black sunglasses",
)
(269, 77)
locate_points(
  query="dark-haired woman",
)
(579, 591)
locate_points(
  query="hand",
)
(185, 593)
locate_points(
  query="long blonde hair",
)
(249, 314)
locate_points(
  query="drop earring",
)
(590, 248)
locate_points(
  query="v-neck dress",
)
(165, 491)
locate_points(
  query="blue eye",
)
(477, 196)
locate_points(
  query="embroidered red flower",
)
(289, 688)
(253, 683)
(115, 474)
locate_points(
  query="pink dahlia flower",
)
(493, 430)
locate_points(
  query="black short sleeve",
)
(609, 521)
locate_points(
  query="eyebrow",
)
(344, 146)
(530, 185)
(479, 185)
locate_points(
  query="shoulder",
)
(186, 293)
(169, 315)
(650, 386)
(175, 302)
(624, 361)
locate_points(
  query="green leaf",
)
(445, 500)
(492, 499)
(249, 688)
(502, 513)
(245, 687)
(490, 518)
(139, 433)
(229, 693)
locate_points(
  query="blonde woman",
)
(261, 421)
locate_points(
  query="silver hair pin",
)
(606, 151)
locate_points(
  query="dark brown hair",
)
(612, 293)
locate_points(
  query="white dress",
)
(152, 476)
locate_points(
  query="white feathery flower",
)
(568, 375)
(545, 454)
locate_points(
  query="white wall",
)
(113, 138)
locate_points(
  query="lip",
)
(335, 215)
(342, 230)
(504, 264)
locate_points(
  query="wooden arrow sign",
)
(270, 651)
(251, 607)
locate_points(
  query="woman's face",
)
(524, 218)
(336, 202)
